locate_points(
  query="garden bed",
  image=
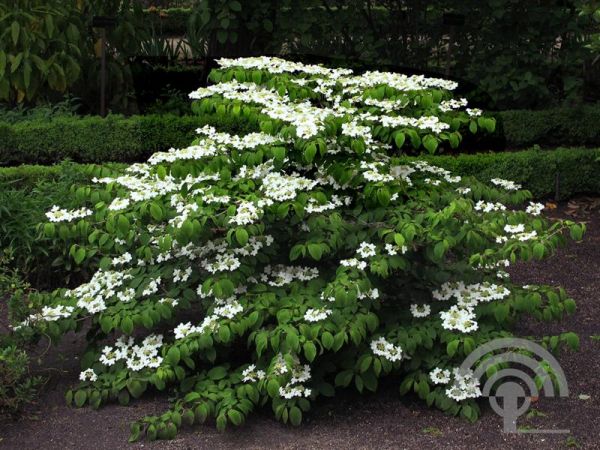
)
(382, 420)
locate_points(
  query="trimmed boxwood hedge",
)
(578, 126)
(92, 139)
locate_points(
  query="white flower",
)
(88, 375)
(57, 214)
(506, 184)
(315, 315)
(365, 250)
(119, 204)
(420, 310)
(251, 374)
(389, 351)
(439, 376)
(520, 228)
(535, 209)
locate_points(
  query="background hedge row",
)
(126, 139)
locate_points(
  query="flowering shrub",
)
(275, 267)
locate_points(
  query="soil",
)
(381, 420)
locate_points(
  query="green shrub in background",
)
(17, 387)
(577, 125)
(40, 47)
(94, 139)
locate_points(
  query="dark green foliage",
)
(552, 127)
(26, 193)
(94, 139)
(170, 21)
(17, 387)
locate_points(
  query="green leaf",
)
(310, 152)
(295, 416)
(127, 325)
(241, 236)
(452, 347)
(538, 250)
(315, 251)
(15, 28)
(217, 373)
(310, 351)
(235, 417)
(273, 388)
(430, 143)
(473, 127)
(80, 397)
(399, 139)
(155, 212)
(235, 6)
(173, 356)
(327, 340)
(344, 378)
(79, 255)
(2, 63)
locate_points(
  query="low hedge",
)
(92, 139)
(578, 126)
(169, 21)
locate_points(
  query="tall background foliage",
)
(508, 53)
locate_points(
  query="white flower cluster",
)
(88, 375)
(460, 319)
(381, 347)
(92, 296)
(462, 316)
(464, 385)
(472, 294)
(371, 172)
(300, 374)
(366, 250)
(440, 376)
(47, 314)
(506, 184)
(209, 323)
(251, 374)
(285, 187)
(516, 232)
(420, 310)
(280, 275)
(449, 105)
(136, 357)
(393, 249)
(315, 315)
(246, 213)
(489, 206)
(535, 209)
(118, 204)
(57, 214)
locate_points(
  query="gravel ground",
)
(381, 420)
